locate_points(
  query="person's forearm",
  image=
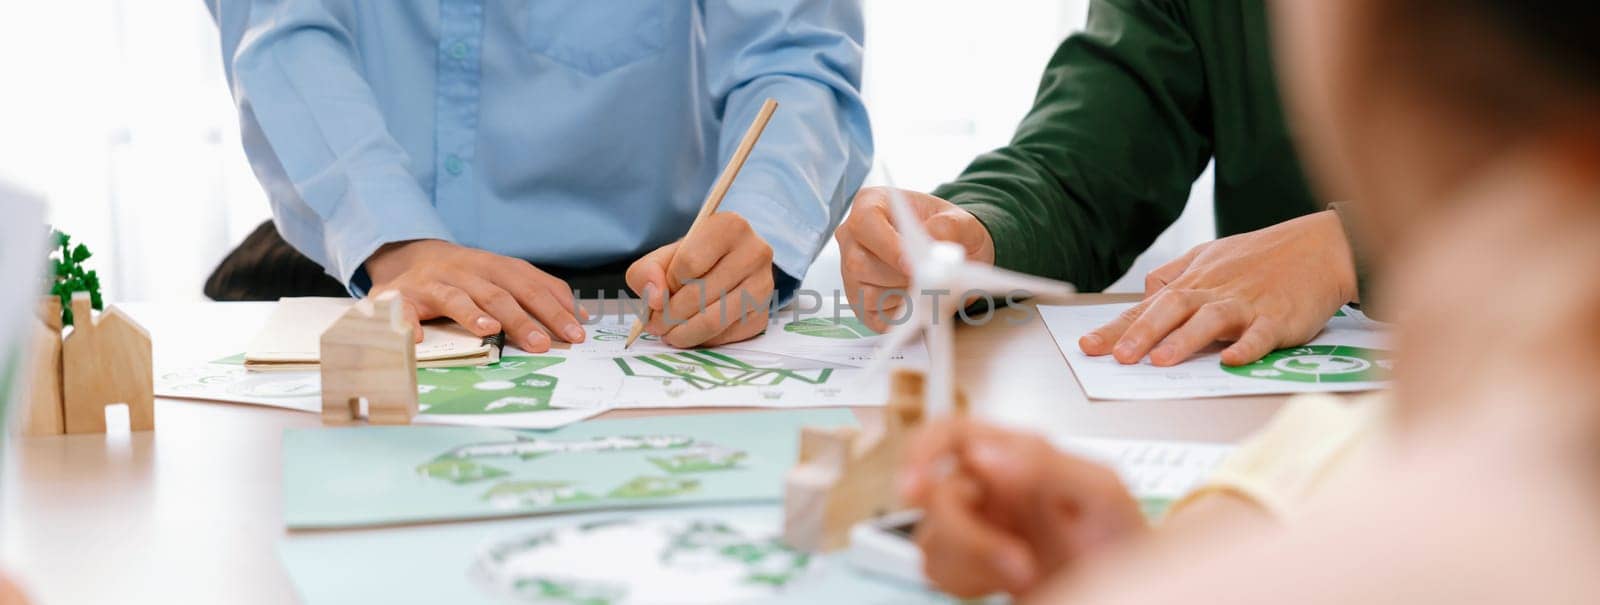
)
(1104, 161)
(339, 184)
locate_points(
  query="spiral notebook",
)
(292, 338)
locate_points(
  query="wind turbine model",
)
(941, 277)
(842, 475)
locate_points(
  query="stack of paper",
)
(292, 338)
(1159, 473)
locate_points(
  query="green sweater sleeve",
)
(1105, 160)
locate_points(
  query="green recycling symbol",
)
(511, 386)
(1319, 363)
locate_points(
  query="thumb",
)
(647, 277)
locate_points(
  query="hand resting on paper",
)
(482, 291)
(1264, 290)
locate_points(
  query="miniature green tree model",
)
(66, 266)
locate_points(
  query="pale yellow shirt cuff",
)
(1283, 464)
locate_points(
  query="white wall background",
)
(116, 111)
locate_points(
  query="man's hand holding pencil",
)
(713, 286)
(719, 279)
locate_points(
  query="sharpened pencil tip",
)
(633, 334)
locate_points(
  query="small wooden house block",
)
(43, 411)
(105, 361)
(844, 477)
(370, 353)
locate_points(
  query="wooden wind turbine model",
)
(844, 477)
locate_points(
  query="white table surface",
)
(191, 513)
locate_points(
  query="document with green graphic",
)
(812, 361)
(514, 392)
(1351, 354)
(806, 361)
(349, 477)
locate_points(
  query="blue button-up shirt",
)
(566, 132)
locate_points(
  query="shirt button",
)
(453, 165)
(459, 50)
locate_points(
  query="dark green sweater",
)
(1128, 115)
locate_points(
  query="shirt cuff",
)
(795, 240)
(784, 287)
(372, 216)
(1281, 466)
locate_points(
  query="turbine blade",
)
(914, 240)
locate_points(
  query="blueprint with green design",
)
(799, 361)
(348, 477)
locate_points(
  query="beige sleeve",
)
(1284, 463)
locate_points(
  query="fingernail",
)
(1127, 348)
(485, 323)
(1015, 567)
(537, 340)
(574, 333)
(1093, 341)
(1165, 352)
